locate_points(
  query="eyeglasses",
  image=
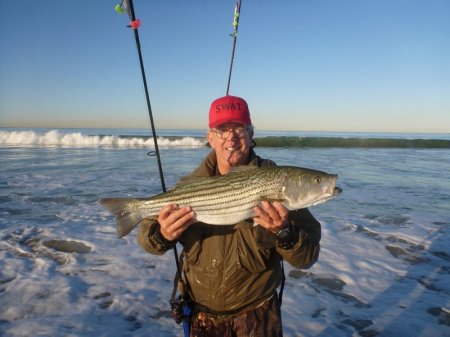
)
(241, 132)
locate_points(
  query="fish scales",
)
(230, 195)
(236, 200)
(211, 190)
(222, 194)
(194, 194)
(226, 198)
(226, 193)
(224, 209)
(250, 195)
(207, 199)
(218, 204)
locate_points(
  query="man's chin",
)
(236, 159)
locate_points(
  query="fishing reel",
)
(181, 309)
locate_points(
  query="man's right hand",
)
(174, 221)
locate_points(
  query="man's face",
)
(231, 141)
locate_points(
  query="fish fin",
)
(272, 199)
(126, 217)
(242, 168)
(188, 179)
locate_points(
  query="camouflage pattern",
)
(263, 321)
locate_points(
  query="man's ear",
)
(251, 132)
(209, 137)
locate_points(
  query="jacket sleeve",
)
(305, 238)
(150, 238)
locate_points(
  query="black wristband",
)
(156, 237)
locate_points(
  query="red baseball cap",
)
(229, 109)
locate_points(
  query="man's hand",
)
(272, 216)
(174, 221)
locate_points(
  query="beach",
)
(383, 269)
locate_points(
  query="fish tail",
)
(127, 217)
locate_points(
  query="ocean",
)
(384, 264)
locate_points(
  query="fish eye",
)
(317, 180)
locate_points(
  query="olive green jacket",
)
(234, 268)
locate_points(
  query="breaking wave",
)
(77, 139)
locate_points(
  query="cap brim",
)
(228, 120)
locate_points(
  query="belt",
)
(199, 308)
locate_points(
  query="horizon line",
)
(205, 129)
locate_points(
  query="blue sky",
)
(349, 65)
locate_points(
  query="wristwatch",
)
(284, 237)
(284, 233)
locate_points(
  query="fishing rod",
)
(237, 14)
(181, 308)
(129, 8)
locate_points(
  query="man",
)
(232, 272)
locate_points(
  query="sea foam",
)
(77, 139)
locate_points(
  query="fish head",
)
(306, 187)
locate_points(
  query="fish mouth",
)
(328, 196)
(337, 191)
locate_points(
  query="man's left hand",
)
(272, 216)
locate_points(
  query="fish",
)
(230, 198)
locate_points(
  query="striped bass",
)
(229, 199)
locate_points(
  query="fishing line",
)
(237, 14)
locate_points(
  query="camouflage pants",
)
(263, 321)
